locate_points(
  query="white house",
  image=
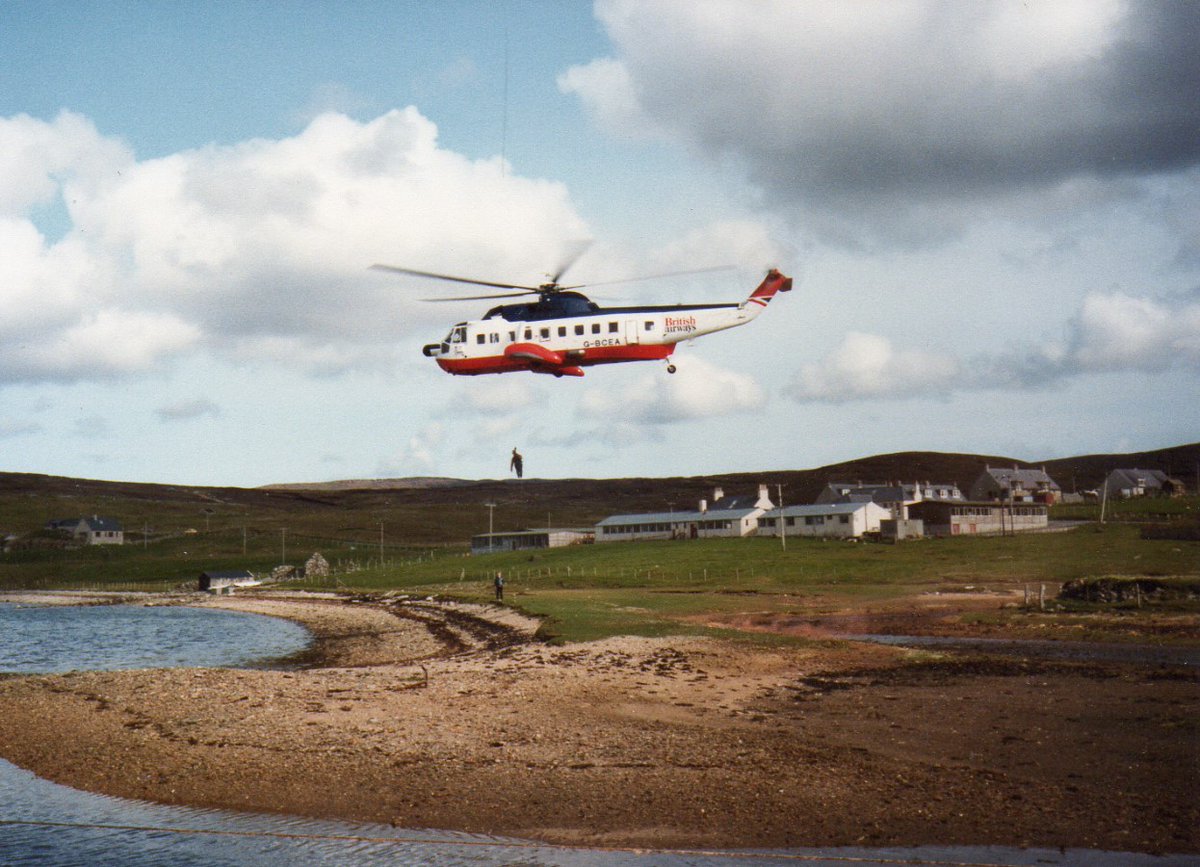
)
(824, 520)
(91, 531)
(723, 517)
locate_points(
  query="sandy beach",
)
(445, 716)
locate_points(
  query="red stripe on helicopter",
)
(525, 356)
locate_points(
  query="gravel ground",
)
(451, 717)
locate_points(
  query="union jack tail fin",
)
(774, 282)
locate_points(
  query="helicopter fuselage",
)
(564, 332)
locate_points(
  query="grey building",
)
(1014, 485)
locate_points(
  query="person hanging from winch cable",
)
(517, 463)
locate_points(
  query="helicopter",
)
(564, 331)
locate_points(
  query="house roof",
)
(820, 509)
(679, 517)
(1149, 478)
(98, 524)
(1005, 476)
(227, 574)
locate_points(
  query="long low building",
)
(824, 520)
(726, 517)
(520, 540)
(967, 518)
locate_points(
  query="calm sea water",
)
(59, 638)
(42, 823)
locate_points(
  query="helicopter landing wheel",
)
(671, 368)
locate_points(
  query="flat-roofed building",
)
(725, 517)
(520, 540)
(824, 520)
(973, 518)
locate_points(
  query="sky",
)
(991, 212)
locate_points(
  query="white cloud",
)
(699, 390)
(189, 409)
(14, 428)
(1119, 332)
(252, 247)
(867, 366)
(1110, 333)
(420, 454)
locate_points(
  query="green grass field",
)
(587, 591)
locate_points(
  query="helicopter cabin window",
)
(579, 329)
(481, 338)
(595, 328)
(649, 325)
(545, 333)
(562, 331)
(614, 327)
(529, 334)
(512, 337)
(493, 338)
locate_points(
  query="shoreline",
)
(450, 717)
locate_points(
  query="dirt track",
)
(453, 719)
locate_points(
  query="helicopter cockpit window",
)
(458, 334)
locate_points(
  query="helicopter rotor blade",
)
(575, 250)
(657, 276)
(431, 275)
(520, 294)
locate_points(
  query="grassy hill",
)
(173, 532)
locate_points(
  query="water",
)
(1063, 651)
(60, 638)
(42, 823)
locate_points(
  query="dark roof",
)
(102, 525)
(227, 575)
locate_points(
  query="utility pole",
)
(283, 543)
(381, 544)
(491, 513)
(782, 525)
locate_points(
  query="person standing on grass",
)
(498, 582)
